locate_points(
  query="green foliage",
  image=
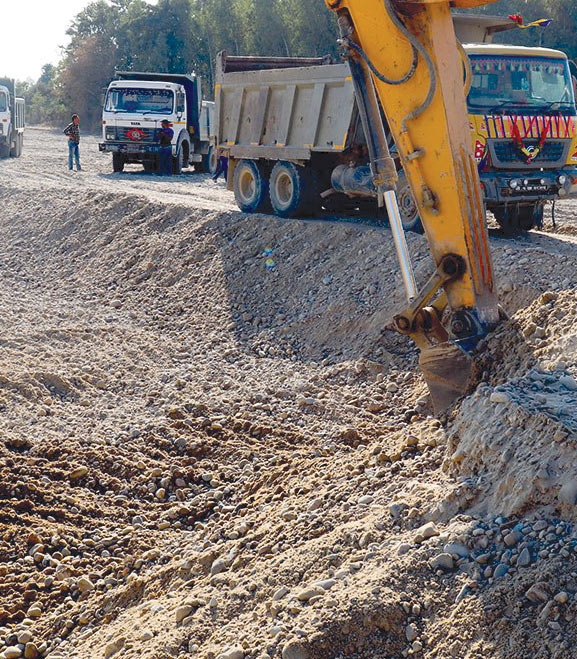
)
(185, 35)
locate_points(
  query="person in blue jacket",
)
(165, 135)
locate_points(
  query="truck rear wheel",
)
(292, 191)
(250, 187)
(117, 162)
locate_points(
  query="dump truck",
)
(291, 128)
(12, 120)
(134, 107)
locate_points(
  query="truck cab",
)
(134, 107)
(522, 112)
(11, 121)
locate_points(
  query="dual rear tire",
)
(288, 190)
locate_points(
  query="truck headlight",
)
(514, 183)
(110, 132)
(561, 179)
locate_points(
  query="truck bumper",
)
(133, 150)
(527, 186)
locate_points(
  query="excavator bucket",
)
(448, 372)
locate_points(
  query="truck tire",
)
(4, 151)
(16, 151)
(518, 219)
(292, 192)
(117, 162)
(251, 187)
(180, 160)
(408, 209)
(150, 166)
(212, 160)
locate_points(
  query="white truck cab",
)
(11, 121)
(137, 103)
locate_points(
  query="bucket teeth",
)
(448, 372)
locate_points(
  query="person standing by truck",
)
(72, 131)
(165, 135)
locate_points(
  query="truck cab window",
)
(3, 102)
(132, 99)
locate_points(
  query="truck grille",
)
(133, 134)
(506, 153)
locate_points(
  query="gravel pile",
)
(213, 446)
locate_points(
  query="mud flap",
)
(448, 372)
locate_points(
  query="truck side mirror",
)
(180, 103)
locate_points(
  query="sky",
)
(35, 34)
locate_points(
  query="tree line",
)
(176, 36)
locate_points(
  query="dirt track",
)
(213, 447)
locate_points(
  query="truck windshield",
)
(131, 99)
(3, 102)
(527, 84)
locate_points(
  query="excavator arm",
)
(404, 57)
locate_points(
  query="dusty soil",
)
(212, 446)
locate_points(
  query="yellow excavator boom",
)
(405, 57)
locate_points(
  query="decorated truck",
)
(12, 118)
(522, 113)
(134, 107)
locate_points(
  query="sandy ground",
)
(213, 446)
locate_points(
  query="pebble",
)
(235, 652)
(524, 558)
(12, 652)
(77, 473)
(457, 549)
(428, 530)
(308, 593)
(411, 632)
(31, 651)
(442, 562)
(561, 598)
(568, 382)
(499, 397)
(280, 593)
(366, 500)
(183, 612)
(294, 650)
(315, 504)
(85, 585)
(539, 592)
(218, 566)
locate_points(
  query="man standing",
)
(165, 135)
(73, 133)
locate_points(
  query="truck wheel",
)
(180, 160)
(407, 207)
(212, 160)
(292, 190)
(517, 219)
(150, 166)
(4, 151)
(250, 187)
(117, 162)
(16, 152)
